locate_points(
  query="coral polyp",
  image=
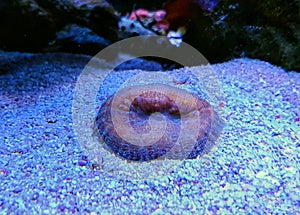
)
(156, 121)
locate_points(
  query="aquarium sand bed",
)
(253, 170)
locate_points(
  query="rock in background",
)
(31, 25)
(267, 30)
(77, 39)
(221, 30)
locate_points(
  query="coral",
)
(132, 129)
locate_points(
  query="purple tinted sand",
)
(43, 170)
